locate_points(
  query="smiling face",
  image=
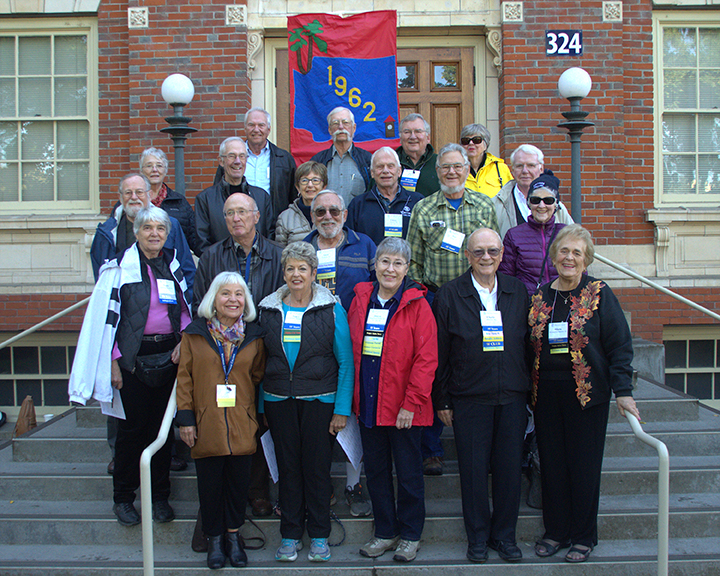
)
(151, 238)
(257, 129)
(452, 170)
(475, 151)
(327, 216)
(154, 170)
(229, 303)
(308, 187)
(233, 162)
(240, 216)
(414, 138)
(570, 261)
(391, 270)
(134, 196)
(542, 212)
(341, 127)
(299, 276)
(386, 172)
(525, 168)
(484, 253)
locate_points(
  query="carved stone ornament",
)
(493, 40)
(612, 12)
(138, 18)
(236, 15)
(512, 11)
(255, 44)
(662, 246)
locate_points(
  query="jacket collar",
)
(412, 291)
(466, 289)
(321, 297)
(351, 236)
(199, 326)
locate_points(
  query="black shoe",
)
(162, 512)
(508, 551)
(111, 467)
(477, 553)
(177, 464)
(216, 554)
(126, 513)
(235, 550)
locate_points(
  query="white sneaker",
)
(406, 550)
(378, 546)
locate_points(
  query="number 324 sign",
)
(563, 43)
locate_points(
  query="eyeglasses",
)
(535, 200)
(241, 213)
(480, 252)
(336, 123)
(232, 157)
(320, 212)
(387, 263)
(448, 167)
(475, 140)
(306, 181)
(138, 193)
(418, 132)
(529, 166)
(157, 167)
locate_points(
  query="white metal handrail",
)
(146, 485)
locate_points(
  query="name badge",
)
(225, 395)
(326, 264)
(292, 326)
(375, 332)
(493, 340)
(558, 337)
(393, 225)
(409, 179)
(166, 291)
(452, 241)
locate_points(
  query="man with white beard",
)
(348, 166)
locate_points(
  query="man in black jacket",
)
(481, 389)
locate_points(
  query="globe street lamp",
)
(178, 91)
(574, 84)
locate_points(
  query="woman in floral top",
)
(583, 350)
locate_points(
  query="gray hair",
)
(473, 129)
(326, 191)
(386, 150)
(578, 232)
(452, 147)
(302, 251)
(528, 149)
(340, 109)
(393, 245)
(224, 143)
(415, 116)
(133, 175)
(153, 152)
(207, 306)
(151, 214)
(258, 109)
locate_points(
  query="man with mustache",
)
(348, 166)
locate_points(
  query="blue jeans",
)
(383, 445)
(431, 445)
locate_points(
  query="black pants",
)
(571, 442)
(144, 410)
(222, 490)
(489, 438)
(303, 447)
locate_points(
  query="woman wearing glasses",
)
(295, 223)
(527, 246)
(488, 173)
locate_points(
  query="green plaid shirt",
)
(431, 264)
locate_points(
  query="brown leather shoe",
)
(261, 507)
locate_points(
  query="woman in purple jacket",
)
(527, 245)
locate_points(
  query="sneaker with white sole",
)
(406, 550)
(359, 506)
(378, 546)
(319, 550)
(287, 552)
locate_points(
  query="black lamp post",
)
(178, 91)
(574, 84)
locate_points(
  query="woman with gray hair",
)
(394, 339)
(488, 173)
(154, 166)
(222, 361)
(307, 394)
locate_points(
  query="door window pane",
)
(406, 76)
(445, 75)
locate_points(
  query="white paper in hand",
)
(349, 439)
(269, 449)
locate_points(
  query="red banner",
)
(350, 62)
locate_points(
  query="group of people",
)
(406, 289)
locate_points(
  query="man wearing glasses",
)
(348, 166)
(209, 217)
(417, 156)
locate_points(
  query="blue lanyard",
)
(247, 267)
(388, 210)
(227, 368)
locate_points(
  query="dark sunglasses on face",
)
(475, 140)
(334, 212)
(549, 200)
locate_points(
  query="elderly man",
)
(417, 156)
(385, 209)
(211, 226)
(526, 164)
(480, 389)
(438, 227)
(268, 167)
(348, 166)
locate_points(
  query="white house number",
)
(563, 42)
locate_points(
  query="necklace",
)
(565, 297)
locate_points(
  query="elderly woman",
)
(307, 394)
(527, 246)
(487, 172)
(222, 361)
(583, 352)
(154, 166)
(394, 339)
(295, 223)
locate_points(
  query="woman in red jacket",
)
(394, 339)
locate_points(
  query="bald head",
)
(241, 216)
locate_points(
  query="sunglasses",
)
(475, 140)
(549, 200)
(334, 212)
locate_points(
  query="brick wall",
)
(19, 312)
(617, 153)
